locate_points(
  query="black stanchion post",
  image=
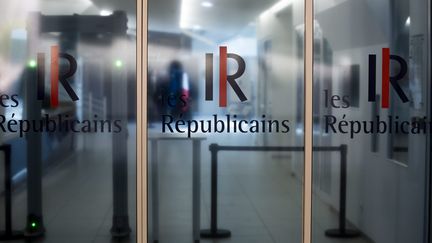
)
(342, 231)
(214, 232)
(33, 111)
(118, 104)
(8, 191)
(8, 234)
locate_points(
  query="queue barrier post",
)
(8, 233)
(214, 232)
(340, 232)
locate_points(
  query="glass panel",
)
(372, 99)
(248, 123)
(67, 86)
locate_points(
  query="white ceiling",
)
(225, 19)
(89, 7)
(164, 15)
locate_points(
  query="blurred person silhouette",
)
(170, 94)
(179, 90)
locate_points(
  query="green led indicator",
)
(33, 225)
(32, 63)
(118, 63)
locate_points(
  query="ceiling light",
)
(207, 4)
(105, 12)
(185, 14)
(408, 21)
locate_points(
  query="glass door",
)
(67, 89)
(225, 122)
(371, 98)
(228, 121)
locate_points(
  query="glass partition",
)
(225, 103)
(67, 121)
(225, 107)
(372, 100)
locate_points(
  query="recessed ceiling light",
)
(105, 12)
(207, 4)
(408, 21)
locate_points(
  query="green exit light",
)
(32, 63)
(118, 63)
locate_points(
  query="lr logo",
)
(386, 78)
(55, 76)
(223, 77)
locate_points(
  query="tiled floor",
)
(77, 196)
(259, 199)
